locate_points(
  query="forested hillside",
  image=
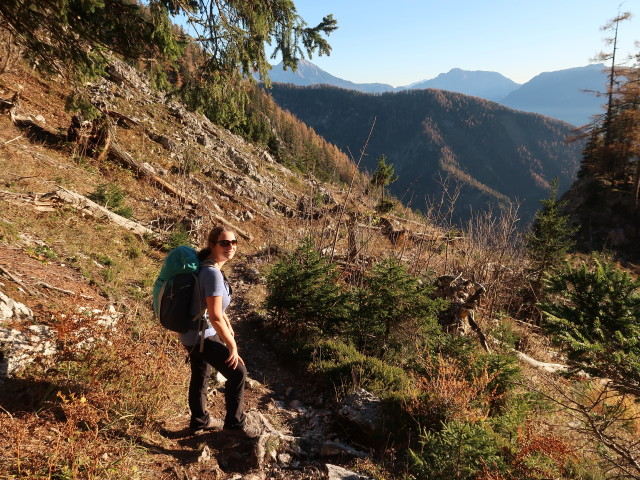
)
(499, 155)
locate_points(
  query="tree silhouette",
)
(549, 239)
(384, 175)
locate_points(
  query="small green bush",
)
(395, 315)
(305, 294)
(457, 452)
(177, 237)
(348, 369)
(112, 196)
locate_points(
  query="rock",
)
(219, 379)
(205, 455)
(330, 449)
(12, 310)
(18, 349)
(338, 473)
(297, 404)
(363, 411)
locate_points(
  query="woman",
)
(215, 345)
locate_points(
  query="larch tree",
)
(609, 150)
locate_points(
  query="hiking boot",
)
(246, 431)
(212, 424)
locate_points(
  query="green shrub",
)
(348, 369)
(594, 310)
(385, 206)
(304, 293)
(457, 452)
(177, 237)
(111, 196)
(395, 315)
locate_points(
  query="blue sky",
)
(400, 42)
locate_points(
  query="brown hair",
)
(214, 234)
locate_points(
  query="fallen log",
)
(125, 159)
(239, 231)
(82, 203)
(547, 367)
(19, 282)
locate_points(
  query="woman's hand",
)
(234, 359)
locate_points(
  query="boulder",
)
(12, 310)
(338, 473)
(19, 349)
(362, 411)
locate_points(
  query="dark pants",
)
(214, 354)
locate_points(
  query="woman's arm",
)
(219, 322)
(233, 334)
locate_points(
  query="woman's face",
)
(225, 247)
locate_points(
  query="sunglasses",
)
(227, 243)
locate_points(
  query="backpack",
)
(173, 289)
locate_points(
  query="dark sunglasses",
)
(227, 243)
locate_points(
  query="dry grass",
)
(95, 409)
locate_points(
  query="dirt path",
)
(279, 390)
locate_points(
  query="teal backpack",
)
(173, 289)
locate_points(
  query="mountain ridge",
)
(558, 94)
(496, 152)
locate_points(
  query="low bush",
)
(112, 196)
(594, 309)
(348, 369)
(305, 294)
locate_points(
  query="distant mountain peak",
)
(308, 73)
(478, 83)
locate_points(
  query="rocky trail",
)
(298, 415)
(299, 439)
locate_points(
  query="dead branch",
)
(547, 367)
(17, 280)
(121, 119)
(239, 231)
(13, 139)
(51, 287)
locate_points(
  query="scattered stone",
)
(338, 473)
(330, 449)
(205, 455)
(18, 349)
(253, 384)
(12, 310)
(297, 404)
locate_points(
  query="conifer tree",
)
(610, 148)
(384, 175)
(594, 307)
(58, 34)
(549, 239)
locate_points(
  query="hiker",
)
(218, 348)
